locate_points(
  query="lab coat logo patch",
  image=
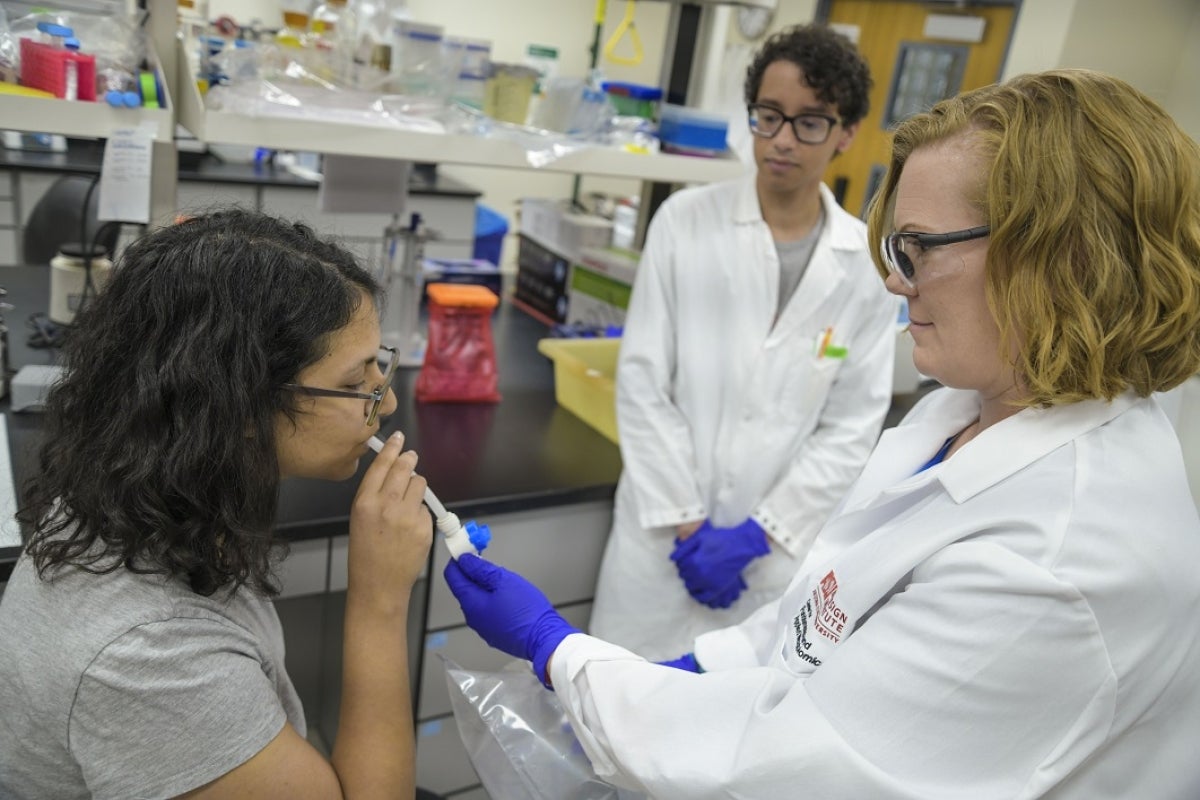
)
(830, 621)
(820, 613)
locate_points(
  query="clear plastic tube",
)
(435, 505)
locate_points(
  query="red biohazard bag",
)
(460, 358)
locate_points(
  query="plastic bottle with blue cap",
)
(71, 92)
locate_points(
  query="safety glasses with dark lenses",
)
(900, 249)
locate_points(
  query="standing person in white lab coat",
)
(1004, 606)
(755, 367)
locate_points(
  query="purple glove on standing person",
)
(711, 561)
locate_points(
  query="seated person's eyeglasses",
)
(900, 250)
(766, 122)
(387, 355)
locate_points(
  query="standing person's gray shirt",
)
(154, 690)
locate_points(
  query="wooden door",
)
(892, 40)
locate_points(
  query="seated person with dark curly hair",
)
(141, 655)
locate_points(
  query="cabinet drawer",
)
(8, 214)
(198, 197)
(32, 185)
(8, 249)
(6, 183)
(558, 549)
(305, 569)
(464, 647)
(442, 761)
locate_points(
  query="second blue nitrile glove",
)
(710, 561)
(507, 611)
(686, 662)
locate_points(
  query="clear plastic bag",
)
(518, 738)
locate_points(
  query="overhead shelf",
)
(79, 118)
(86, 119)
(283, 133)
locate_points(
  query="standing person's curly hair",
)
(831, 64)
(160, 453)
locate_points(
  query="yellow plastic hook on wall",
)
(627, 25)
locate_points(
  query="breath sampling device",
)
(469, 537)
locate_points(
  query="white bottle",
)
(71, 89)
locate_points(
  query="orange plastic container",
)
(462, 295)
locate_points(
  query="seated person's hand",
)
(390, 528)
(711, 561)
(507, 611)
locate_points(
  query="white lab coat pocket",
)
(822, 373)
(806, 383)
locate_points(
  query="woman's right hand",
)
(390, 529)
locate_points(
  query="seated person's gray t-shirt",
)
(130, 686)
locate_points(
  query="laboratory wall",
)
(1152, 44)
(1183, 97)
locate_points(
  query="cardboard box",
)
(585, 379)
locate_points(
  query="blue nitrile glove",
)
(711, 561)
(723, 598)
(507, 611)
(686, 662)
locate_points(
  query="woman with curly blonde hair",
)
(1004, 605)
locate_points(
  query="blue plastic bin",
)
(490, 230)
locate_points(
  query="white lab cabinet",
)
(8, 221)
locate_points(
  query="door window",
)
(924, 74)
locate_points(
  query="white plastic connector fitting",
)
(458, 541)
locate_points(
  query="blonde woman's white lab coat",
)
(726, 412)
(1017, 622)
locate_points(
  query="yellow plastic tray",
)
(585, 379)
